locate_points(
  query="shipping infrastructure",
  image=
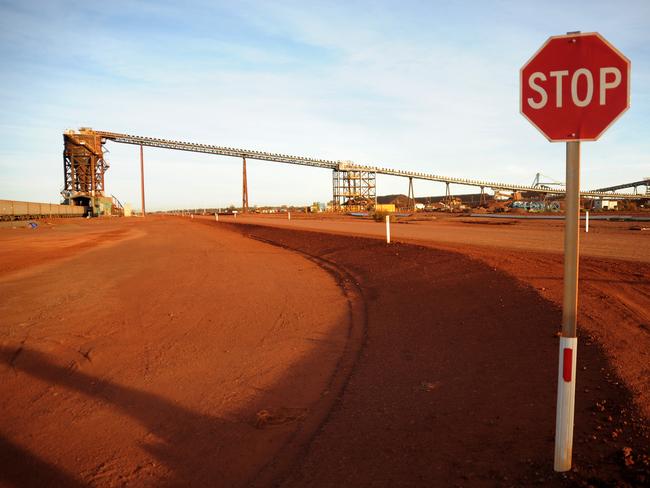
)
(84, 169)
(353, 185)
(635, 184)
(436, 300)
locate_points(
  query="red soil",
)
(190, 355)
(186, 356)
(456, 382)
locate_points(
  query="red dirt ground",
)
(184, 356)
(466, 376)
(199, 357)
(614, 303)
(615, 240)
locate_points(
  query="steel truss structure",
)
(354, 190)
(354, 185)
(220, 150)
(635, 184)
(83, 167)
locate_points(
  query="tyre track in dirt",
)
(456, 381)
(296, 447)
(155, 375)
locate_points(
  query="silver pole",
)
(568, 340)
(571, 239)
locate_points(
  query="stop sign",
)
(574, 87)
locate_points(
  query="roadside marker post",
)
(216, 217)
(573, 89)
(288, 215)
(387, 229)
(587, 221)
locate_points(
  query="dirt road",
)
(226, 355)
(456, 382)
(613, 240)
(172, 354)
(614, 306)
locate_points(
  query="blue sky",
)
(420, 85)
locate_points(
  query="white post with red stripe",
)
(387, 229)
(566, 394)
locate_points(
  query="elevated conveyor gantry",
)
(354, 184)
(219, 150)
(635, 184)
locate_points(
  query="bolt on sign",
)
(572, 89)
(575, 86)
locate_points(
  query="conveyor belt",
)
(220, 150)
(336, 165)
(634, 184)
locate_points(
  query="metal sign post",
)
(572, 89)
(566, 384)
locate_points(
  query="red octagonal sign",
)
(575, 87)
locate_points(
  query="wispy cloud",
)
(419, 85)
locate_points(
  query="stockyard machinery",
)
(353, 185)
(84, 168)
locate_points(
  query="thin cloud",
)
(423, 86)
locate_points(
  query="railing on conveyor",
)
(634, 184)
(220, 150)
(338, 165)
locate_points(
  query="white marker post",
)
(587, 221)
(216, 217)
(566, 383)
(288, 215)
(191, 216)
(387, 229)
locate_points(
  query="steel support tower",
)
(83, 168)
(244, 200)
(354, 190)
(411, 195)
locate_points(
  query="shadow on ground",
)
(455, 385)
